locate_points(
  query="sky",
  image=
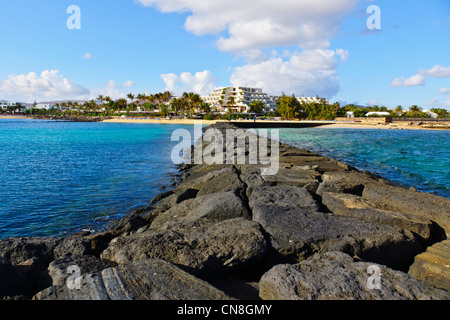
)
(366, 52)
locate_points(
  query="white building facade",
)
(5, 104)
(238, 99)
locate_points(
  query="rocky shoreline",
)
(315, 230)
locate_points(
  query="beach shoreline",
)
(318, 123)
(269, 123)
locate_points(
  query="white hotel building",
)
(238, 99)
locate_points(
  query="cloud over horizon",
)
(245, 28)
(418, 79)
(49, 84)
(201, 82)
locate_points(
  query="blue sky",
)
(320, 47)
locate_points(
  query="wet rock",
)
(334, 276)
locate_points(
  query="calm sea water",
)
(419, 158)
(58, 177)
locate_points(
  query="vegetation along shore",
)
(318, 229)
(164, 106)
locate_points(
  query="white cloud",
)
(444, 90)
(127, 84)
(87, 56)
(344, 54)
(201, 83)
(246, 28)
(309, 73)
(47, 85)
(252, 24)
(436, 72)
(110, 89)
(416, 80)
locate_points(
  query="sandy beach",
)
(326, 124)
(392, 126)
(161, 121)
(2, 117)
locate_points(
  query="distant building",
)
(5, 104)
(238, 99)
(431, 114)
(46, 106)
(310, 100)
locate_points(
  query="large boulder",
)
(357, 207)
(232, 246)
(424, 205)
(58, 269)
(352, 182)
(148, 280)
(335, 276)
(292, 177)
(207, 208)
(288, 197)
(297, 234)
(222, 179)
(19, 250)
(433, 266)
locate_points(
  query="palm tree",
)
(414, 110)
(131, 97)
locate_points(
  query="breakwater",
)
(317, 229)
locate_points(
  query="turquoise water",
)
(419, 158)
(58, 177)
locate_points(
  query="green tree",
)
(288, 106)
(257, 106)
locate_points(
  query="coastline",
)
(318, 123)
(259, 123)
(224, 228)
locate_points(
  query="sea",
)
(58, 178)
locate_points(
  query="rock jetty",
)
(318, 229)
